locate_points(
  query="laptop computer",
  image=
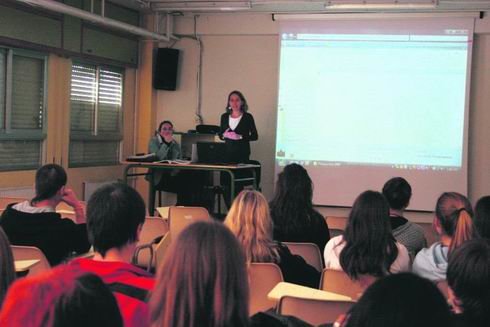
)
(211, 153)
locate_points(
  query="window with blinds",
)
(22, 108)
(96, 115)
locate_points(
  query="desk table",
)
(227, 168)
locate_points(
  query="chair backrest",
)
(339, 282)
(263, 277)
(153, 228)
(31, 253)
(313, 311)
(309, 251)
(6, 200)
(335, 222)
(181, 217)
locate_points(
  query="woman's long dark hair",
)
(401, 300)
(370, 248)
(291, 207)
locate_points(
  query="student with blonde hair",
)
(202, 281)
(453, 222)
(249, 220)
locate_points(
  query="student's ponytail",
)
(464, 229)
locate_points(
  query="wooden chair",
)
(262, 277)
(309, 251)
(313, 311)
(339, 282)
(149, 249)
(31, 253)
(181, 217)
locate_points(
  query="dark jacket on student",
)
(56, 237)
(295, 269)
(239, 150)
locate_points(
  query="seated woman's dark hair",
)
(482, 217)
(370, 248)
(468, 276)
(58, 298)
(292, 207)
(400, 300)
(202, 280)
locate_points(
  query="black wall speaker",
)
(166, 64)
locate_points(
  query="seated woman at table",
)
(249, 219)
(7, 268)
(186, 184)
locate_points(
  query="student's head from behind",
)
(249, 220)
(115, 215)
(370, 248)
(202, 280)
(294, 186)
(50, 179)
(166, 128)
(454, 218)
(401, 300)
(7, 268)
(482, 217)
(236, 101)
(397, 192)
(60, 297)
(468, 277)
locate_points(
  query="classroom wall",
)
(241, 51)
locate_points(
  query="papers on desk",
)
(289, 289)
(150, 157)
(176, 162)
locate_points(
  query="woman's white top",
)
(233, 122)
(336, 245)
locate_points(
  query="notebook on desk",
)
(211, 153)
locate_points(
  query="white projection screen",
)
(363, 101)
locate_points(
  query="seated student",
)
(36, 223)
(249, 220)
(115, 216)
(202, 280)
(60, 297)
(292, 211)
(454, 225)
(188, 185)
(367, 247)
(482, 217)
(398, 192)
(468, 277)
(401, 300)
(7, 268)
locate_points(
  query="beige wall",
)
(241, 52)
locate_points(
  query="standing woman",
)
(237, 128)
